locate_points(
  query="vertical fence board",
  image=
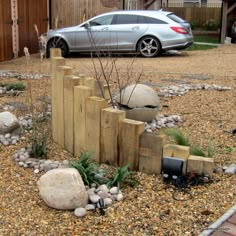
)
(110, 119)
(69, 83)
(94, 105)
(130, 131)
(62, 71)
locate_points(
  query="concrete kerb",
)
(213, 227)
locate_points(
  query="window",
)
(175, 18)
(126, 19)
(150, 20)
(103, 20)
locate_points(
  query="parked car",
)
(233, 32)
(146, 32)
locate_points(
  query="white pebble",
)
(80, 212)
(114, 190)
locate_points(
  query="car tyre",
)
(58, 43)
(149, 46)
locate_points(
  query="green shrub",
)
(15, 86)
(180, 139)
(89, 170)
(210, 25)
(177, 136)
(39, 147)
(122, 176)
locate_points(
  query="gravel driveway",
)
(150, 208)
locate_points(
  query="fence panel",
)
(198, 15)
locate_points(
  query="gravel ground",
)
(150, 208)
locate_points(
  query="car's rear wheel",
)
(149, 46)
(58, 43)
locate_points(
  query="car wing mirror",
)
(87, 25)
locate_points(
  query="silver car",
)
(145, 32)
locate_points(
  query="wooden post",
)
(224, 21)
(94, 105)
(151, 152)
(129, 133)
(62, 71)
(81, 93)
(69, 83)
(55, 62)
(110, 119)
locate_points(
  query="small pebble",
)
(80, 212)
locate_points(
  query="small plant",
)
(15, 86)
(180, 139)
(178, 136)
(121, 176)
(89, 170)
(39, 147)
(229, 149)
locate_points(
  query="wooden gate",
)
(31, 13)
(6, 52)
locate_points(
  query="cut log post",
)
(62, 71)
(129, 135)
(94, 105)
(55, 62)
(81, 93)
(151, 152)
(110, 119)
(69, 83)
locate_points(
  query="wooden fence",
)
(83, 121)
(74, 12)
(197, 15)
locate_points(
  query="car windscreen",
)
(175, 18)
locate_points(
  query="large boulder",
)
(140, 102)
(8, 123)
(63, 189)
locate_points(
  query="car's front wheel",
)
(58, 43)
(149, 46)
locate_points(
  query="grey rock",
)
(63, 189)
(80, 212)
(107, 201)
(114, 190)
(103, 188)
(8, 123)
(231, 169)
(90, 207)
(119, 197)
(94, 198)
(21, 163)
(91, 191)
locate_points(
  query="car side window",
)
(103, 20)
(150, 20)
(126, 19)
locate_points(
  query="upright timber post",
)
(56, 60)
(69, 83)
(110, 119)
(151, 152)
(62, 71)
(94, 105)
(130, 131)
(81, 93)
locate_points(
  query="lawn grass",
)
(200, 47)
(206, 39)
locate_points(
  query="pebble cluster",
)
(7, 107)
(181, 89)
(18, 75)
(12, 92)
(23, 159)
(9, 139)
(162, 121)
(100, 197)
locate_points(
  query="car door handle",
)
(105, 28)
(135, 28)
